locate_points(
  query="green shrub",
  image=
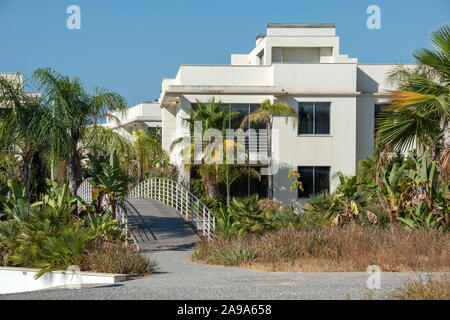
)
(315, 211)
(104, 226)
(197, 187)
(48, 236)
(233, 254)
(61, 251)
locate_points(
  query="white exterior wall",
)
(169, 127)
(336, 150)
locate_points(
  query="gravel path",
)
(178, 278)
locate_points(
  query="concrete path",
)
(169, 240)
(157, 226)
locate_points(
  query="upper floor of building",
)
(295, 43)
(290, 59)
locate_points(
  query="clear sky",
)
(129, 46)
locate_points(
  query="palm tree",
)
(21, 126)
(418, 113)
(102, 141)
(149, 153)
(212, 115)
(230, 173)
(73, 110)
(264, 115)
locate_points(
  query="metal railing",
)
(85, 190)
(180, 198)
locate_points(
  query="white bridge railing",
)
(179, 197)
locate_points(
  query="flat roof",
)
(301, 25)
(261, 35)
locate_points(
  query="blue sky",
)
(129, 46)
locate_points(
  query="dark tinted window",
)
(314, 180)
(306, 118)
(243, 110)
(314, 118)
(322, 118)
(306, 177)
(321, 179)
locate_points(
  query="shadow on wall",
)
(281, 185)
(365, 83)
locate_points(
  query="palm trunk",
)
(269, 149)
(74, 172)
(228, 184)
(213, 190)
(26, 175)
(139, 171)
(228, 195)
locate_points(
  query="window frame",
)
(299, 196)
(314, 120)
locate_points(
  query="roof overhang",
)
(139, 119)
(171, 94)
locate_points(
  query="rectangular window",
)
(314, 118)
(314, 180)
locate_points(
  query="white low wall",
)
(14, 280)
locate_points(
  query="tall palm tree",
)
(21, 124)
(73, 110)
(418, 114)
(264, 115)
(212, 115)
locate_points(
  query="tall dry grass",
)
(424, 289)
(116, 257)
(351, 248)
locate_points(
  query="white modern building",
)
(299, 64)
(145, 116)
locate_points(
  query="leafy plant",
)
(344, 206)
(61, 251)
(249, 217)
(108, 179)
(104, 226)
(420, 217)
(424, 176)
(389, 191)
(57, 197)
(224, 220)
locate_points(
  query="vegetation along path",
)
(163, 234)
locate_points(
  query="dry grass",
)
(430, 289)
(116, 257)
(333, 250)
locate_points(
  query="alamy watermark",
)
(74, 19)
(374, 20)
(75, 277)
(374, 280)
